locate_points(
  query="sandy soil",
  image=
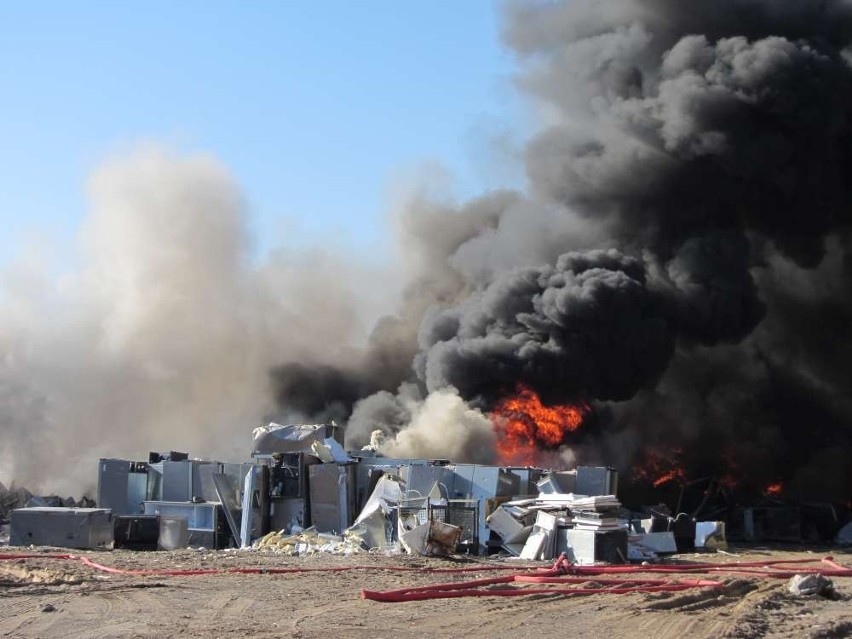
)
(54, 598)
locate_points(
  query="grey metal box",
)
(596, 480)
(421, 479)
(463, 481)
(287, 512)
(205, 524)
(484, 484)
(332, 496)
(189, 479)
(584, 547)
(528, 476)
(84, 528)
(122, 486)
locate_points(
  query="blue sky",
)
(317, 108)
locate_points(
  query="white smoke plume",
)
(164, 337)
(444, 426)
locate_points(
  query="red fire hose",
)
(561, 573)
(558, 574)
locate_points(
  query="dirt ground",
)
(57, 598)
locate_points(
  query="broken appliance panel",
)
(83, 528)
(122, 485)
(189, 480)
(485, 484)
(585, 547)
(206, 525)
(332, 496)
(419, 479)
(136, 532)
(528, 477)
(596, 480)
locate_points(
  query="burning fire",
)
(773, 490)
(525, 426)
(660, 468)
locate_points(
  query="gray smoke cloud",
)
(679, 260)
(587, 328)
(164, 337)
(689, 209)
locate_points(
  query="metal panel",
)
(201, 516)
(177, 481)
(229, 497)
(367, 473)
(136, 532)
(174, 533)
(486, 484)
(596, 480)
(330, 490)
(463, 481)
(62, 527)
(286, 513)
(205, 525)
(112, 484)
(584, 547)
(202, 480)
(527, 477)
(121, 488)
(137, 493)
(421, 478)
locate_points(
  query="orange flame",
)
(525, 426)
(661, 468)
(773, 490)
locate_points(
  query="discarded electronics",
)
(152, 532)
(431, 538)
(488, 485)
(83, 528)
(586, 528)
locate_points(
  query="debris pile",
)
(302, 493)
(307, 542)
(585, 528)
(12, 498)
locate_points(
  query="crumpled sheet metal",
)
(292, 438)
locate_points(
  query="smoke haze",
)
(164, 338)
(679, 260)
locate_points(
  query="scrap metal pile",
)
(302, 493)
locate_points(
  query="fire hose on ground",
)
(586, 579)
(563, 572)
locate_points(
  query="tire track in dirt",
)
(121, 610)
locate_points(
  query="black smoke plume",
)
(680, 257)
